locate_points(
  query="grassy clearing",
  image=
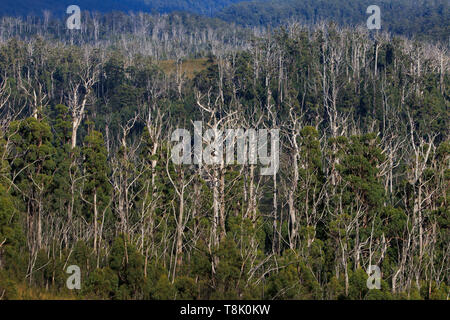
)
(24, 292)
(189, 66)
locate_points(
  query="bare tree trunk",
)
(180, 225)
(95, 220)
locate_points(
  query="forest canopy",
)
(87, 176)
(425, 19)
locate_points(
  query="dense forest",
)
(424, 19)
(159, 36)
(58, 7)
(87, 176)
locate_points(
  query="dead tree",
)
(80, 92)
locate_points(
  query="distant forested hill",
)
(26, 7)
(426, 18)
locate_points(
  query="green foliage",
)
(11, 235)
(364, 168)
(8, 287)
(101, 284)
(128, 264)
